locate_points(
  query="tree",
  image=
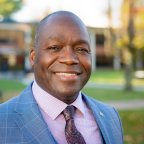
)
(111, 42)
(7, 7)
(131, 36)
(130, 47)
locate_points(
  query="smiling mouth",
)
(67, 76)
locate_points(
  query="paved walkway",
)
(122, 105)
(127, 105)
(112, 86)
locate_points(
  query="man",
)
(61, 60)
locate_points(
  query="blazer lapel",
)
(30, 121)
(101, 120)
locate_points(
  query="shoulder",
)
(7, 114)
(8, 106)
(9, 109)
(109, 111)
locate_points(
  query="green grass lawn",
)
(10, 88)
(112, 76)
(133, 126)
(8, 85)
(106, 75)
(107, 94)
(99, 94)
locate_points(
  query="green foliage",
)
(7, 7)
(132, 10)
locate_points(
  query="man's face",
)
(62, 60)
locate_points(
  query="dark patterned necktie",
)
(73, 136)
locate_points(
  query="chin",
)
(68, 98)
(67, 94)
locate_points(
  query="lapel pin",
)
(101, 114)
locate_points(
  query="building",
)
(15, 38)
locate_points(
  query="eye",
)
(83, 50)
(54, 48)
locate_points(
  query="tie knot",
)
(69, 112)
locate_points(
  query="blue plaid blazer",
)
(22, 123)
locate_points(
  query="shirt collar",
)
(51, 105)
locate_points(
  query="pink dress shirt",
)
(51, 109)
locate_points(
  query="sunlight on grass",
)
(139, 82)
(111, 76)
(107, 95)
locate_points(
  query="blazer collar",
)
(30, 120)
(33, 127)
(99, 115)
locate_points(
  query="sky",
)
(92, 12)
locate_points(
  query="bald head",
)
(59, 18)
(62, 58)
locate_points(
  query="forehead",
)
(63, 25)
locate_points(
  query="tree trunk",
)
(139, 61)
(129, 63)
(117, 59)
(128, 73)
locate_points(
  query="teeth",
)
(66, 74)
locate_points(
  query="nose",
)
(68, 56)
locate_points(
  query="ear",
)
(32, 56)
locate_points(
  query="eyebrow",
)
(82, 42)
(61, 40)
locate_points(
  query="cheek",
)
(45, 60)
(40, 64)
(42, 58)
(86, 63)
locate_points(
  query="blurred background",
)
(116, 29)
